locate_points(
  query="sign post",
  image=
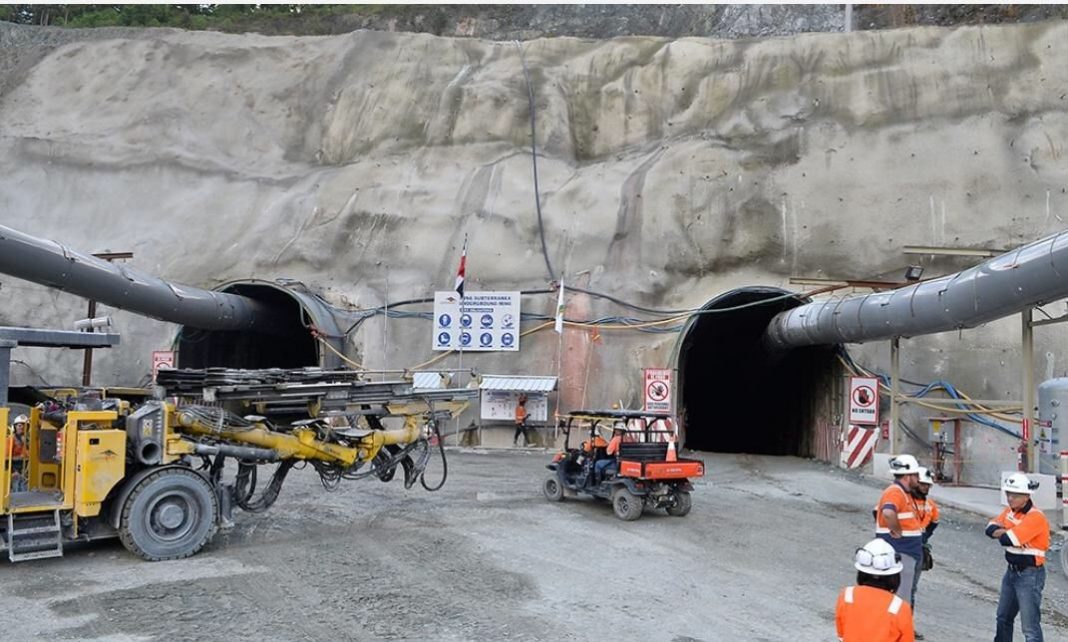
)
(864, 401)
(658, 390)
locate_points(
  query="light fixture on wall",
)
(913, 273)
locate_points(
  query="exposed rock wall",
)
(670, 171)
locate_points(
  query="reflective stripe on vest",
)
(1026, 551)
(895, 605)
(849, 595)
(882, 530)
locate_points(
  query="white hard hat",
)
(877, 558)
(22, 419)
(926, 476)
(1018, 483)
(904, 465)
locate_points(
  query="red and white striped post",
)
(1064, 488)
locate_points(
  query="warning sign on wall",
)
(658, 387)
(864, 401)
(161, 359)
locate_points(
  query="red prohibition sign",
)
(863, 396)
(657, 390)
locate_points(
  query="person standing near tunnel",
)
(897, 521)
(1023, 530)
(927, 512)
(521, 422)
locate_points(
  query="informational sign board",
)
(864, 401)
(499, 405)
(162, 359)
(487, 321)
(658, 385)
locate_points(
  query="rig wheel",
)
(171, 514)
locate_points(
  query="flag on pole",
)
(460, 271)
(559, 325)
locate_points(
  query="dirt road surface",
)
(761, 557)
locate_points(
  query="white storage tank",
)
(1052, 419)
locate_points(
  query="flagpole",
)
(559, 362)
(461, 289)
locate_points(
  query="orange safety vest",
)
(928, 511)
(18, 451)
(869, 614)
(598, 442)
(520, 414)
(1027, 534)
(904, 505)
(613, 446)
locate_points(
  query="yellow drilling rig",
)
(154, 472)
(262, 385)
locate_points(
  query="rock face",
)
(670, 171)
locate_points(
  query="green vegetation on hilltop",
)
(220, 17)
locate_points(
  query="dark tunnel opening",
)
(735, 395)
(293, 347)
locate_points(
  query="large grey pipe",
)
(1031, 275)
(51, 264)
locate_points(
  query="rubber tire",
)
(683, 504)
(627, 506)
(180, 486)
(553, 489)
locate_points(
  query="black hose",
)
(243, 490)
(444, 463)
(534, 162)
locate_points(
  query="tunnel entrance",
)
(293, 347)
(737, 397)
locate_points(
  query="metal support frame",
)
(33, 337)
(87, 360)
(11, 338)
(895, 390)
(1027, 348)
(5, 368)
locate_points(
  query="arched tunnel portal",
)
(735, 395)
(290, 345)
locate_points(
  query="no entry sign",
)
(864, 400)
(658, 390)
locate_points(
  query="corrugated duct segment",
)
(1030, 275)
(248, 324)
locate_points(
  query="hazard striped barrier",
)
(859, 445)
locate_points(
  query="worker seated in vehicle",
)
(17, 447)
(592, 449)
(607, 464)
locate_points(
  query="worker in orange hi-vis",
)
(927, 511)
(521, 422)
(611, 451)
(870, 611)
(897, 522)
(1024, 532)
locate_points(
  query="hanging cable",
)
(973, 414)
(444, 461)
(534, 161)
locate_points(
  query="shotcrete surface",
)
(761, 557)
(671, 171)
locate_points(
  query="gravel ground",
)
(761, 557)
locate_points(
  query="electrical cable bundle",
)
(221, 419)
